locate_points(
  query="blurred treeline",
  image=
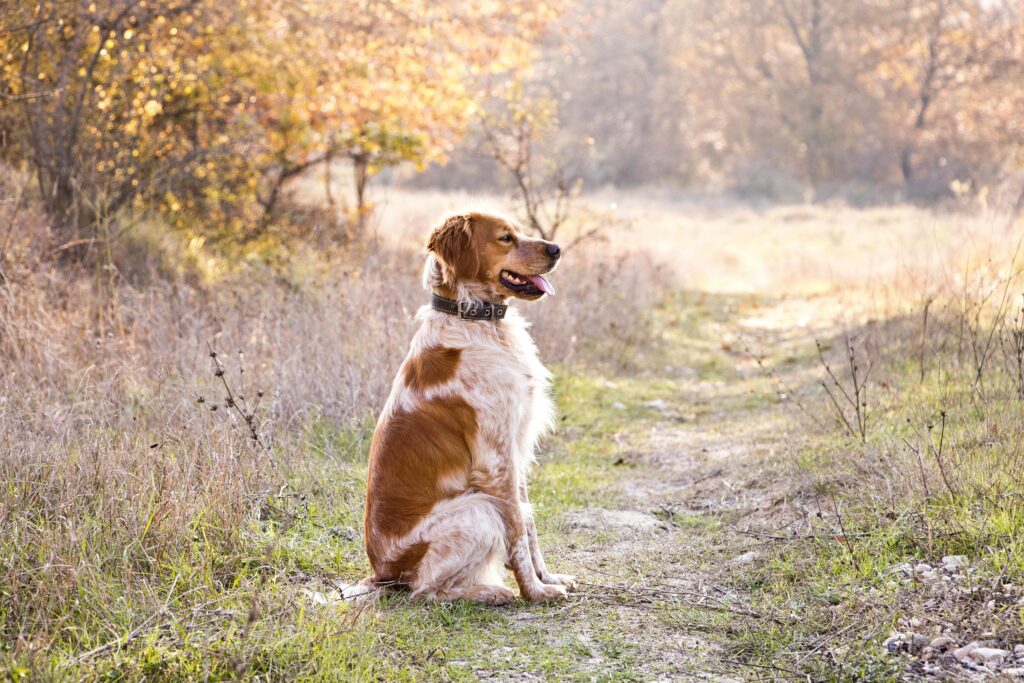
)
(204, 110)
(789, 99)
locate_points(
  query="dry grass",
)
(122, 493)
(114, 472)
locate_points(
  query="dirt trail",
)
(696, 484)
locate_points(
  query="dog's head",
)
(477, 255)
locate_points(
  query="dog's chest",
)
(509, 388)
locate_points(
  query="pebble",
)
(619, 405)
(918, 641)
(1016, 672)
(1018, 650)
(961, 654)
(953, 562)
(989, 656)
(923, 567)
(942, 643)
(657, 404)
(745, 558)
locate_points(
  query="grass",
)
(219, 607)
(141, 535)
(938, 475)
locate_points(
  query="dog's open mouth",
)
(528, 285)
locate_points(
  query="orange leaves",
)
(216, 104)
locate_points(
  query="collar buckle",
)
(481, 310)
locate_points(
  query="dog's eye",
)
(507, 239)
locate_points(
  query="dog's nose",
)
(554, 251)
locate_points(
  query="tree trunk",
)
(906, 165)
(360, 169)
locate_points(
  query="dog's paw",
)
(566, 580)
(546, 593)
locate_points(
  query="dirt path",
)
(692, 484)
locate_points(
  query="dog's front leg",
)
(535, 553)
(538, 558)
(517, 540)
(531, 585)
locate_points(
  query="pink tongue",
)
(542, 284)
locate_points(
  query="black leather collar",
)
(469, 310)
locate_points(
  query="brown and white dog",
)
(446, 502)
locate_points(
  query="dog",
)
(446, 501)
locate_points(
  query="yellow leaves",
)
(271, 83)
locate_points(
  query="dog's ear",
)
(454, 245)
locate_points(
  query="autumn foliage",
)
(203, 108)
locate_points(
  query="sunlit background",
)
(788, 338)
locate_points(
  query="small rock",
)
(962, 653)
(657, 404)
(894, 643)
(923, 567)
(988, 656)
(914, 622)
(603, 519)
(1018, 650)
(954, 562)
(905, 568)
(619, 405)
(745, 558)
(918, 642)
(1016, 672)
(942, 643)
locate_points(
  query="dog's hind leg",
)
(465, 555)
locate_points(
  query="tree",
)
(96, 111)
(206, 110)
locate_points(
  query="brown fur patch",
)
(434, 365)
(403, 569)
(415, 460)
(454, 245)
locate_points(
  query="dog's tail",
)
(369, 587)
